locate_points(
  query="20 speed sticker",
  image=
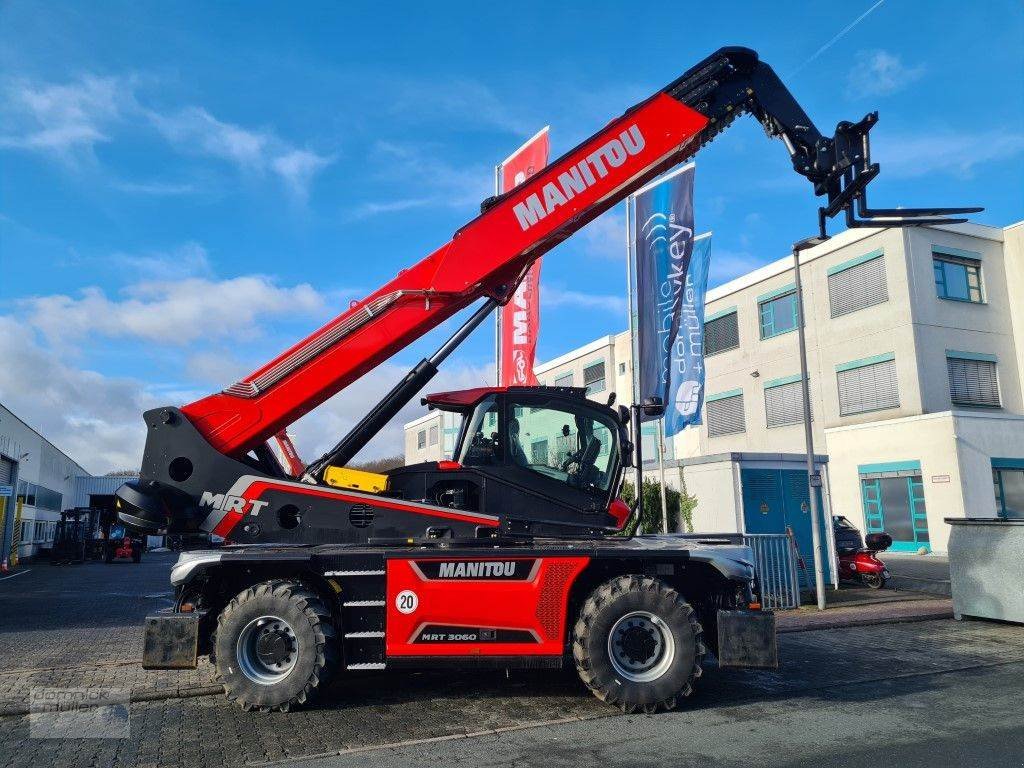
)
(406, 601)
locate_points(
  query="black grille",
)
(361, 516)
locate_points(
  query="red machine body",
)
(516, 606)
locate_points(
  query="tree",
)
(680, 506)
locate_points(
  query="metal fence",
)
(775, 563)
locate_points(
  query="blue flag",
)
(683, 406)
(663, 245)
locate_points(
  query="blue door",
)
(776, 498)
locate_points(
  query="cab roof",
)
(465, 399)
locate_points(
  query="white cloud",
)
(97, 420)
(461, 102)
(172, 313)
(552, 296)
(317, 432)
(65, 120)
(194, 130)
(187, 260)
(880, 73)
(952, 152)
(297, 169)
(155, 188)
(605, 237)
(728, 264)
(438, 183)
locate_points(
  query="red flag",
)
(520, 318)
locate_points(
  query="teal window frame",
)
(767, 306)
(999, 467)
(943, 262)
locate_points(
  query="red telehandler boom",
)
(507, 556)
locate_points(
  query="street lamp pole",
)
(813, 477)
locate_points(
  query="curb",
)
(867, 621)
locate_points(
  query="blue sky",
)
(188, 188)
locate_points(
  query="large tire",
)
(637, 644)
(275, 646)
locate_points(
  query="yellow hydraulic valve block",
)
(356, 479)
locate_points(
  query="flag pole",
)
(813, 477)
(661, 471)
(497, 314)
(638, 477)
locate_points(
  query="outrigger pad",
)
(171, 641)
(747, 639)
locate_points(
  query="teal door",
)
(776, 498)
(895, 505)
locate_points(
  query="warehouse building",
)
(915, 347)
(37, 482)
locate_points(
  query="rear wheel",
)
(275, 646)
(637, 644)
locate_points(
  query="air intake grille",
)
(361, 516)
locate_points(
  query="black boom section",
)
(734, 80)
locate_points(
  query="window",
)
(538, 449)
(564, 380)
(778, 314)
(1008, 481)
(433, 438)
(421, 439)
(586, 454)
(957, 278)
(622, 369)
(593, 378)
(480, 443)
(973, 379)
(868, 385)
(40, 497)
(649, 443)
(721, 333)
(857, 284)
(784, 403)
(724, 414)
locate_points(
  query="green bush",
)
(680, 505)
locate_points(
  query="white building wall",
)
(38, 464)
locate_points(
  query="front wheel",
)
(275, 646)
(873, 580)
(637, 644)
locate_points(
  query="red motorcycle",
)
(857, 561)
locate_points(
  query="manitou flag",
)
(519, 321)
(662, 239)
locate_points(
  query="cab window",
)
(577, 449)
(482, 446)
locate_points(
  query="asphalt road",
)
(940, 691)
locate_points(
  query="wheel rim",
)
(641, 647)
(267, 650)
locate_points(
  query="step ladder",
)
(362, 616)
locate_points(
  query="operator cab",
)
(544, 456)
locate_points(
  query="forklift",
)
(499, 558)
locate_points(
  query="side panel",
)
(462, 606)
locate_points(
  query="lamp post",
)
(813, 477)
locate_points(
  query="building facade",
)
(915, 349)
(37, 481)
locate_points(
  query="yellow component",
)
(356, 479)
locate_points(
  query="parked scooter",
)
(857, 562)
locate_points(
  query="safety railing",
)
(776, 567)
